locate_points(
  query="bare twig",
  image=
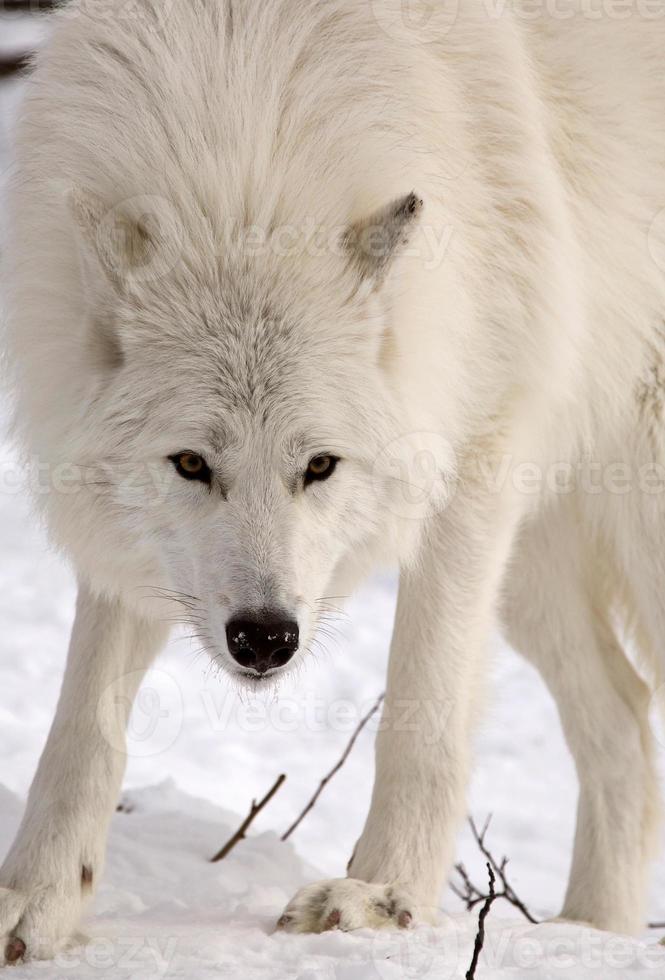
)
(241, 832)
(470, 894)
(12, 64)
(480, 935)
(335, 769)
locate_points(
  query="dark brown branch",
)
(480, 935)
(335, 769)
(471, 895)
(241, 832)
(12, 64)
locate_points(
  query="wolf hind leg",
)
(556, 616)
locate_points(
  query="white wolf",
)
(265, 261)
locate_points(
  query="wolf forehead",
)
(253, 360)
(228, 368)
(255, 357)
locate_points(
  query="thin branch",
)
(470, 894)
(480, 935)
(241, 832)
(508, 892)
(326, 779)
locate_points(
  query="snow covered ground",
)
(199, 753)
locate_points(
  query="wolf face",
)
(246, 414)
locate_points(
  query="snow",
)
(164, 911)
(199, 753)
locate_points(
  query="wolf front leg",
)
(445, 613)
(58, 853)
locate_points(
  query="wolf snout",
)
(262, 643)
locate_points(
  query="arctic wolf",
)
(298, 287)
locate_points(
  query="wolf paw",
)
(346, 904)
(38, 921)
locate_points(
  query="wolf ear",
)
(135, 241)
(373, 243)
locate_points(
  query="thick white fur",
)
(537, 145)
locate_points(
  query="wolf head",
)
(246, 412)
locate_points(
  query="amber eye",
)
(320, 468)
(191, 466)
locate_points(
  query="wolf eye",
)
(191, 466)
(320, 468)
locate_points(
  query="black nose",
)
(262, 643)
